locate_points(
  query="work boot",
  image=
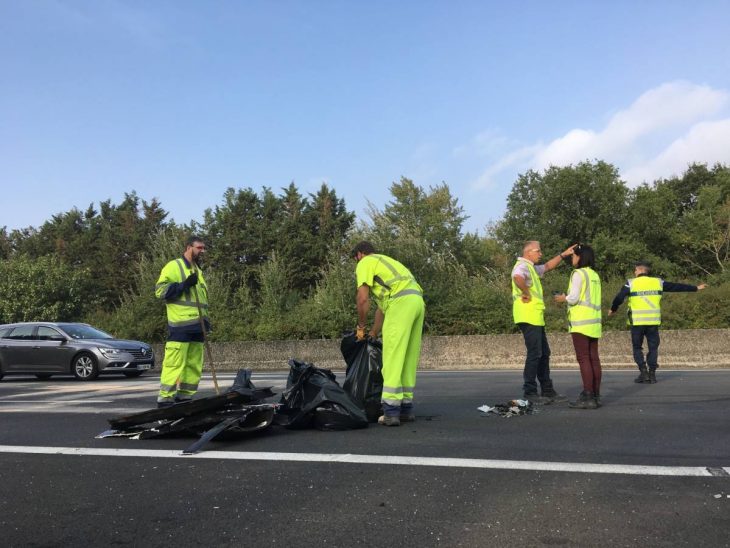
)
(407, 414)
(586, 400)
(386, 420)
(554, 397)
(183, 399)
(643, 376)
(165, 403)
(652, 376)
(534, 399)
(597, 397)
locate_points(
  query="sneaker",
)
(554, 397)
(643, 376)
(534, 399)
(652, 376)
(584, 401)
(386, 420)
(597, 397)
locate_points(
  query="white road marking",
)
(577, 467)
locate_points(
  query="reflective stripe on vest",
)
(387, 285)
(645, 297)
(585, 315)
(186, 310)
(531, 312)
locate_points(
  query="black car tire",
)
(132, 373)
(43, 376)
(84, 367)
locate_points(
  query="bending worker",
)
(528, 312)
(183, 288)
(645, 315)
(400, 314)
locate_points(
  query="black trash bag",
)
(314, 399)
(364, 375)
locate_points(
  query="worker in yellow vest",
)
(645, 315)
(400, 315)
(183, 288)
(528, 306)
(584, 324)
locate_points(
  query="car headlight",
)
(112, 352)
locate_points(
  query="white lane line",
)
(37, 407)
(585, 468)
(52, 402)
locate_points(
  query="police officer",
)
(183, 288)
(400, 315)
(645, 315)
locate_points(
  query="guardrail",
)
(698, 348)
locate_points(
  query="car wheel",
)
(132, 373)
(84, 367)
(43, 376)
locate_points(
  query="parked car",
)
(47, 348)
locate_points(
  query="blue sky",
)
(179, 99)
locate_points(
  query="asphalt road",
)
(494, 485)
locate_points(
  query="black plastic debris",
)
(513, 408)
(314, 399)
(364, 374)
(237, 412)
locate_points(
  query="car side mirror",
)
(59, 339)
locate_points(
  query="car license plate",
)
(144, 366)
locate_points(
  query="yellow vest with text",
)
(645, 300)
(585, 315)
(183, 311)
(532, 312)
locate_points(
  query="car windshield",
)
(80, 331)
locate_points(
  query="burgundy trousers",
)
(586, 352)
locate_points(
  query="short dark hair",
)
(644, 264)
(192, 239)
(586, 256)
(363, 247)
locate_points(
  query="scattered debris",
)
(512, 408)
(236, 412)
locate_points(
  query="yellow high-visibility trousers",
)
(181, 370)
(402, 331)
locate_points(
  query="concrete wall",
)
(701, 348)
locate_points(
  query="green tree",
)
(705, 234)
(564, 205)
(6, 245)
(435, 217)
(42, 289)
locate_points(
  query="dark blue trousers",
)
(537, 362)
(651, 334)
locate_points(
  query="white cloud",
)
(706, 142)
(658, 135)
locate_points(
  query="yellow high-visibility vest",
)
(183, 311)
(645, 300)
(387, 278)
(532, 312)
(585, 315)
